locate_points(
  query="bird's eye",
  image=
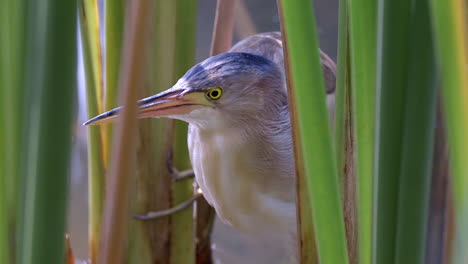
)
(215, 93)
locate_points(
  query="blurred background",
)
(252, 16)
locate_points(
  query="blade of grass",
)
(362, 27)
(116, 208)
(88, 20)
(449, 21)
(392, 50)
(320, 171)
(418, 136)
(50, 81)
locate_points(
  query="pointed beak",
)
(171, 102)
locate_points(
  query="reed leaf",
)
(89, 20)
(392, 71)
(305, 228)
(362, 27)
(114, 19)
(339, 123)
(418, 136)
(50, 85)
(314, 130)
(343, 134)
(449, 21)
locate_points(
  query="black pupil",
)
(214, 93)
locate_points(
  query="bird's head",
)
(226, 87)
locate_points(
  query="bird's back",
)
(270, 46)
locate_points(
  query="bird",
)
(239, 137)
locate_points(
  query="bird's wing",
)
(270, 46)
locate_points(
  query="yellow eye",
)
(215, 93)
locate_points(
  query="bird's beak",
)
(171, 102)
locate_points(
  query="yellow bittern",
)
(239, 135)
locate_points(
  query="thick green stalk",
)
(158, 192)
(173, 49)
(314, 130)
(88, 20)
(418, 136)
(50, 82)
(122, 164)
(11, 83)
(182, 235)
(4, 233)
(449, 21)
(163, 78)
(362, 27)
(392, 71)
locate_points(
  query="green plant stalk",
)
(150, 241)
(50, 82)
(11, 82)
(418, 136)
(305, 228)
(4, 233)
(391, 85)
(314, 131)
(362, 27)
(183, 229)
(164, 77)
(90, 13)
(340, 93)
(161, 76)
(89, 9)
(343, 134)
(114, 19)
(95, 155)
(450, 30)
(5, 194)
